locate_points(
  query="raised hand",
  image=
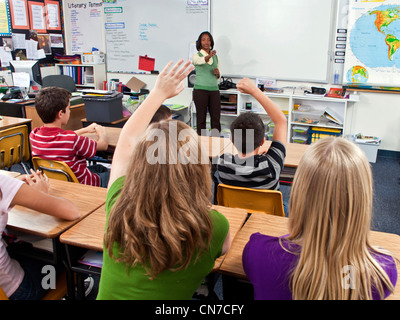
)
(170, 81)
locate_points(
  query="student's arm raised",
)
(169, 84)
(275, 113)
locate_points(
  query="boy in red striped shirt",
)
(52, 142)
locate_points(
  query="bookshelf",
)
(309, 117)
(85, 75)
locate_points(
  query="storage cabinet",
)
(305, 114)
(90, 76)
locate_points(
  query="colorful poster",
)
(5, 26)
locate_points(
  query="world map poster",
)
(373, 44)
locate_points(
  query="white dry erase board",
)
(84, 25)
(281, 39)
(151, 32)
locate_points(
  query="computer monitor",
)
(29, 66)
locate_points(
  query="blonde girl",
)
(328, 253)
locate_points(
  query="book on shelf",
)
(333, 116)
(336, 93)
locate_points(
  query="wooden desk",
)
(117, 123)
(87, 198)
(88, 233)
(15, 109)
(277, 226)
(113, 134)
(74, 122)
(9, 122)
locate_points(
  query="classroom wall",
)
(376, 114)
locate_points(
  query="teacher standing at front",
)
(206, 91)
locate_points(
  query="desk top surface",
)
(88, 233)
(87, 199)
(9, 122)
(278, 226)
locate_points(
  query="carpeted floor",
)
(386, 212)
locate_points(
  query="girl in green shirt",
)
(161, 238)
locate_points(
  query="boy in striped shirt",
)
(248, 168)
(52, 142)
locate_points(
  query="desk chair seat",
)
(59, 80)
(14, 147)
(253, 200)
(53, 294)
(55, 169)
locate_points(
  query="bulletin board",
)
(30, 30)
(84, 26)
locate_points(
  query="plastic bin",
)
(271, 127)
(370, 150)
(309, 117)
(107, 108)
(300, 139)
(317, 133)
(300, 131)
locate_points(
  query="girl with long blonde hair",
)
(161, 237)
(327, 254)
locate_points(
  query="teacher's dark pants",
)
(210, 100)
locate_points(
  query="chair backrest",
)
(55, 169)
(14, 146)
(253, 200)
(3, 295)
(59, 80)
(58, 293)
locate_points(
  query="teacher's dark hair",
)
(198, 42)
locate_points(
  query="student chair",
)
(59, 80)
(53, 294)
(14, 147)
(253, 200)
(55, 169)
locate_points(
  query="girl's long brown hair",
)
(330, 215)
(161, 219)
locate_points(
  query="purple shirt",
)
(268, 267)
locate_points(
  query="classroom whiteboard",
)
(279, 39)
(84, 26)
(157, 30)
